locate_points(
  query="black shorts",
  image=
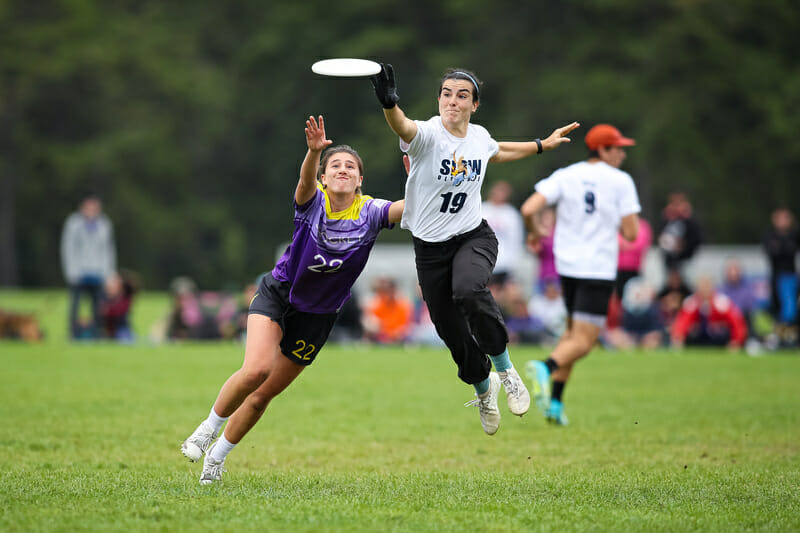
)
(304, 334)
(586, 296)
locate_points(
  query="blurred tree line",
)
(187, 118)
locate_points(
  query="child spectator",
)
(186, 317)
(640, 324)
(522, 327)
(235, 326)
(549, 308)
(115, 307)
(423, 331)
(671, 296)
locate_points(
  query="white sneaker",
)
(487, 404)
(198, 442)
(212, 470)
(519, 400)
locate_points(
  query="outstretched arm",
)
(396, 209)
(530, 214)
(513, 151)
(386, 91)
(316, 140)
(404, 127)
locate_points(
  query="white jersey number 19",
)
(453, 202)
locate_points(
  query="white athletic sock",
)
(221, 449)
(215, 421)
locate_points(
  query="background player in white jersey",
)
(296, 304)
(508, 227)
(454, 247)
(595, 201)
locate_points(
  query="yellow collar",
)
(351, 213)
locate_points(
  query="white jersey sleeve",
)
(628, 198)
(550, 188)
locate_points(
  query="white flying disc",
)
(346, 67)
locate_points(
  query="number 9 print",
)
(590, 202)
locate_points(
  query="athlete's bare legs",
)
(261, 351)
(577, 341)
(281, 375)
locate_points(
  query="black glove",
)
(385, 87)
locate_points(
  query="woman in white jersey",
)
(454, 247)
(595, 201)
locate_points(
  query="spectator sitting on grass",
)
(671, 296)
(115, 308)
(709, 318)
(233, 325)
(739, 289)
(641, 325)
(549, 308)
(523, 328)
(423, 330)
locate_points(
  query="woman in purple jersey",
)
(296, 304)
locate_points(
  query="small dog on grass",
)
(22, 326)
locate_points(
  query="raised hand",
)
(385, 86)
(315, 134)
(558, 137)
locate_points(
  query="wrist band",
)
(538, 145)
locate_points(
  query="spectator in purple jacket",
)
(739, 289)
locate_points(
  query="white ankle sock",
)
(215, 421)
(221, 449)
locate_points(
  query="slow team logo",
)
(460, 170)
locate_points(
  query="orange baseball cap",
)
(606, 135)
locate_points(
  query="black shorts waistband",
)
(482, 227)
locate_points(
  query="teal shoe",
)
(539, 375)
(555, 414)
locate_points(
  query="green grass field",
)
(377, 439)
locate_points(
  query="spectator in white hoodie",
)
(88, 257)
